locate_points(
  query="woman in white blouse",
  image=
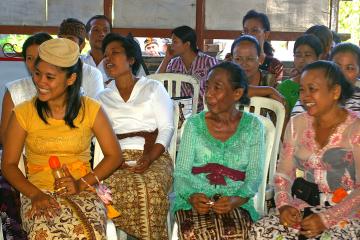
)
(141, 113)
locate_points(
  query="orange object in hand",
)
(338, 195)
(55, 165)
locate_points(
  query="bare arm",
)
(7, 106)
(110, 148)
(166, 60)
(265, 91)
(12, 151)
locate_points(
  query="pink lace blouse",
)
(336, 165)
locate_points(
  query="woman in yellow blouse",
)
(59, 121)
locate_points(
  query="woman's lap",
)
(269, 227)
(231, 226)
(142, 199)
(82, 216)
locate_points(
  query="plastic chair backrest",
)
(21, 165)
(110, 226)
(259, 199)
(171, 79)
(259, 103)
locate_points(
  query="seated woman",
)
(184, 57)
(307, 49)
(257, 24)
(218, 169)
(325, 36)
(321, 148)
(246, 52)
(59, 121)
(23, 89)
(141, 113)
(347, 57)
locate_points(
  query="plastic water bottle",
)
(55, 165)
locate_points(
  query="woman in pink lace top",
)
(321, 145)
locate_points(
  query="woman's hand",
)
(200, 202)
(43, 205)
(289, 216)
(67, 185)
(228, 203)
(142, 164)
(169, 54)
(312, 226)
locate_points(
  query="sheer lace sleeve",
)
(285, 173)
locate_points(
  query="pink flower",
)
(324, 188)
(346, 181)
(335, 139)
(355, 140)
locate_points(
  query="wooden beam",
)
(108, 6)
(200, 23)
(144, 32)
(10, 29)
(148, 32)
(227, 34)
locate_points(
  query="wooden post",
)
(108, 6)
(200, 23)
(334, 15)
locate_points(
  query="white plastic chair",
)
(259, 199)
(259, 103)
(169, 79)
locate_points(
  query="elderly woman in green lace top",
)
(219, 166)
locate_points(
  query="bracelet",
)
(97, 179)
(87, 184)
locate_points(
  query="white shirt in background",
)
(88, 59)
(24, 89)
(148, 108)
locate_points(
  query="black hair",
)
(259, 16)
(74, 102)
(237, 78)
(336, 37)
(263, 18)
(79, 23)
(334, 76)
(36, 39)
(246, 38)
(88, 24)
(346, 47)
(131, 47)
(323, 33)
(309, 40)
(186, 34)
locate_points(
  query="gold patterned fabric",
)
(234, 225)
(142, 199)
(82, 216)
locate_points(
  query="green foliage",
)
(349, 19)
(16, 40)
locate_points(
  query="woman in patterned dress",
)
(219, 162)
(322, 146)
(59, 121)
(141, 113)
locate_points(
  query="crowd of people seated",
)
(68, 100)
